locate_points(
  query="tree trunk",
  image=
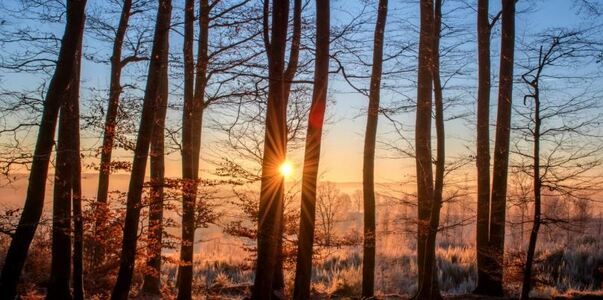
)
(275, 147)
(64, 179)
(109, 130)
(191, 139)
(527, 275)
(303, 271)
(429, 289)
(423, 137)
(152, 279)
(78, 224)
(189, 185)
(368, 171)
(501, 148)
(152, 97)
(56, 95)
(484, 257)
(279, 275)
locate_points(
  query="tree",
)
(303, 271)
(151, 103)
(152, 278)
(64, 190)
(117, 64)
(425, 192)
(272, 190)
(56, 96)
(194, 90)
(484, 28)
(370, 137)
(428, 286)
(498, 202)
(553, 122)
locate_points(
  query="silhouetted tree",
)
(368, 170)
(303, 271)
(57, 94)
(496, 243)
(151, 103)
(272, 190)
(152, 278)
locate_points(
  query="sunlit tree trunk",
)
(279, 275)
(110, 127)
(368, 171)
(501, 148)
(303, 271)
(484, 258)
(275, 144)
(56, 96)
(152, 279)
(152, 97)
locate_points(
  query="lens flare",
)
(286, 169)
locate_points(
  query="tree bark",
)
(279, 275)
(191, 140)
(484, 257)
(275, 146)
(151, 100)
(303, 271)
(368, 171)
(527, 275)
(56, 96)
(423, 137)
(109, 130)
(152, 279)
(501, 148)
(78, 223)
(64, 192)
(429, 288)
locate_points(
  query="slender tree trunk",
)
(275, 147)
(193, 121)
(527, 275)
(67, 146)
(303, 271)
(429, 288)
(423, 136)
(56, 95)
(279, 274)
(151, 100)
(484, 257)
(78, 223)
(188, 183)
(368, 171)
(501, 148)
(109, 130)
(152, 279)
(68, 192)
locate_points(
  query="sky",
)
(342, 149)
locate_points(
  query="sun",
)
(286, 169)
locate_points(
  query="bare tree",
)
(64, 193)
(552, 123)
(151, 102)
(368, 179)
(57, 95)
(271, 194)
(496, 243)
(425, 190)
(152, 279)
(303, 271)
